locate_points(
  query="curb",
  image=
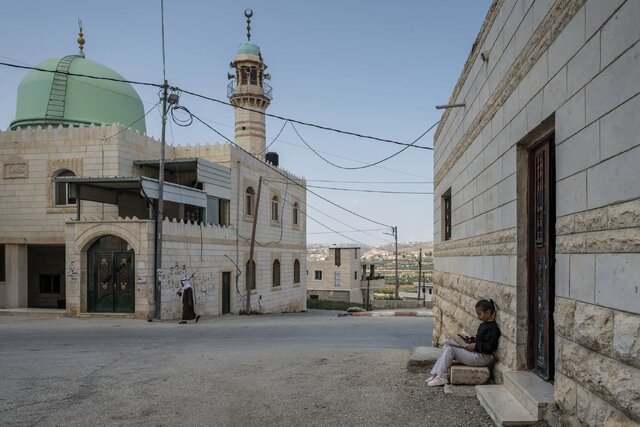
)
(422, 313)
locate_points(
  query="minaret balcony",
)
(249, 89)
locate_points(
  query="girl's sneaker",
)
(437, 381)
(432, 377)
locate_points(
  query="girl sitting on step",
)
(478, 350)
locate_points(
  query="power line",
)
(67, 73)
(332, 218)
(175, 88)
(364, 190)
(365, 166)
(274, 139)
(304, 123)
(331, 154)
(346, 231)
(134, 122)
(283, 175)
(325, 226)
(369, 182)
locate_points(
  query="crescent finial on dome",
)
(81, 39)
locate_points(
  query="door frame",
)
(545, 371)
(523, 245)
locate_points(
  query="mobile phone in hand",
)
(465, 339)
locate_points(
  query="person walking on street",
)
(188, 306)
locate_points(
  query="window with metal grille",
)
(249, 196)
(63, 192)
(446, 215)
(49, 283)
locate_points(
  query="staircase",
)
(521, 400)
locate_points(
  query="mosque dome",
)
(249, 48)
(58, 99)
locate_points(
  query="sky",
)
(376, 68)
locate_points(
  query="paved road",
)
(297, 369)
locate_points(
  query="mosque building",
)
(79, 190)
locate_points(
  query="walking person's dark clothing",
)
(188, 306)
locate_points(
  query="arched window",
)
(63, 193)
(274, 208)
(276, 273)
(248, 209)
(295, 213)
(296, 271)
(251, 275)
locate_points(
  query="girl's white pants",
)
(451, 351)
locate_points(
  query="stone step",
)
(469, 375)
(532, 392)
(502, 407)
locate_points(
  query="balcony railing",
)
(265, 90)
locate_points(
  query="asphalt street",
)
(311, 368)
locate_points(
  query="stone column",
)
(17, 282)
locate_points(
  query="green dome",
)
(57, 99)
(250, 48)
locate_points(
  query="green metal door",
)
(113, 287)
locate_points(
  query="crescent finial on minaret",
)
(81, 39)
(248, 13)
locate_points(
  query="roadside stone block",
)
(469, 375)
(423, 358)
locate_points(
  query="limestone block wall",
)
(30, 157)
(80, 235)
(573, 65)
(349, 267)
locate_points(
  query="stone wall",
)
(569, 67)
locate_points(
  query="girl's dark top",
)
(487, 337)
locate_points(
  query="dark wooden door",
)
(541, 258)
(113, 287)
(226, 292)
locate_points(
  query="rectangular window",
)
(225, 211)
(337, 261)
(446, 215)
(355, 253)
(2, 264)
(49, 283)
(317, 275)
(355, 275)
(336, 279)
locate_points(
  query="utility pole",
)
(160, 205)
(419, 273)
(251, 270)
(395, 234)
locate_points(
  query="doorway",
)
(226, 292)
(110, 284)
(541, 260)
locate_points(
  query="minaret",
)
(248, 91)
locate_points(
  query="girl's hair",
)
(486, 305)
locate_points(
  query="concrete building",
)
(538, 207)
(80, 187)
(342, 276)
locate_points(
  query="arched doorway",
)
(110, 280)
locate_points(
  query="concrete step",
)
(502, 407)
(469, 375)
(532, 392)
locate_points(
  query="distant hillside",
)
(411, 249)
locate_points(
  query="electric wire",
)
(281, 173)
(365, 190)
(197, 95)
(341, 222)
(132, 123)
(330, 129)
(274, 139)
(368, 182)
(367, 165)
(67, 73)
